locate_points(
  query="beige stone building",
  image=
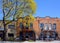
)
(11, 30)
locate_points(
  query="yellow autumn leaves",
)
(33, 6)
(27, 8)
(27, 19)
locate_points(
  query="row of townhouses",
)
(42, 28)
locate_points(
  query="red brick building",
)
(46, 23)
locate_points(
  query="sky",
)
(44, 8)
(48, 8)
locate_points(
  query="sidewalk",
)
(31, 42)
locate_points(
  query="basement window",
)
(10, 35)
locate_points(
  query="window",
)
(31, 25)
(1, 34)
(21, 25)
(21, 36)
(31, 34)
(11, 26)
(46, 27)
(21, 33)
(47, 36)
(10, 35)
(27, 34)
(41, 25)
(50, 26)
(27, 26)
(54, 26)
(53, 34)
(1, 28)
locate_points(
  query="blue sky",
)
(44, 8)
(48, 8)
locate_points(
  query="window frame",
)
(11, 25)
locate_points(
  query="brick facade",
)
(47, 20)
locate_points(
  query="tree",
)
(14, 9)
